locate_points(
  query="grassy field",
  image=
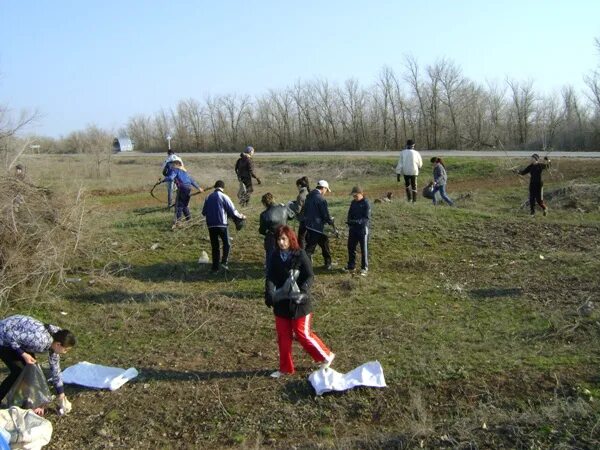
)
(474, 313)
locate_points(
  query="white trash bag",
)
(27, 430)
(369, 374)
(97, 376)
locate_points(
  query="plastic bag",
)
(30, 390)
(290, 286)
(27, 430)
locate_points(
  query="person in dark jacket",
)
(21, 337)
(217, 208)
(293, 311)
(440, 179)
(271, 218)
(244, 169)
(536, 185)
(303, 186)
(359, 216)
(316, 215)
(184, 182)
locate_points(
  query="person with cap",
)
(21, 337)
(274, 216)
(408, 166)
(184, 182)
(244, 169)
(217, 208)
(359, 216)
(536, 185)
(440, 179)
(316, 216)
(292, 307)
(166, 167)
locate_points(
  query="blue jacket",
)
(316, 212)
(26, 334)
(181, 178)
(359, 215)
(217, 208)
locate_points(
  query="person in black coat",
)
(316, 216)
(244, 169)
(293, 310)
(359, 216)
(536, 185)
(272, 217)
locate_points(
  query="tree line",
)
(436, 105)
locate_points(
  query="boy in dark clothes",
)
(536, 185)
(359, 215)
(244, 169)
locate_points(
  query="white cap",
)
(323, 184)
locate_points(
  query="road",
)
(394, 154)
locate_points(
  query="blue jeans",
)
(441, 188)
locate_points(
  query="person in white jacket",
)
(408, 166)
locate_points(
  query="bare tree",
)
(523, 99)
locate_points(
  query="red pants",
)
(286, 329)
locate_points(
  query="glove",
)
(64, 406)
(298, 298)
(268, 301)
(258, 181)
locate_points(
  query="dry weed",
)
(39, 232)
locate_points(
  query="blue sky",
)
(102, 62)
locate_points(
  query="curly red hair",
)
(291, 235)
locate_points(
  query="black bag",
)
(30, 390)
(290, 287)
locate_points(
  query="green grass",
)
(470, 325)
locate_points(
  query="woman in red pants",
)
(293, 310)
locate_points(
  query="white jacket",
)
(409, 162)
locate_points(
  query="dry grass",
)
(40, 231)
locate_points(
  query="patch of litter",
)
(97, 376)
(326, 380)
(203, 259)
(154, 246)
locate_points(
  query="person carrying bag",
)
(287, 291)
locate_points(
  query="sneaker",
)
(328, 266)
(325, 365)
(278, 374)
(348, 269)
(224, 266)
(364, 272)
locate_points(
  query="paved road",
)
(394, 154)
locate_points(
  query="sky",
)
(80, 63)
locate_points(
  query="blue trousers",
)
(358, 237)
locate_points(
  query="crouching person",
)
(21, 337)
(293, 309)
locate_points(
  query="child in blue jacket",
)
(184, 183)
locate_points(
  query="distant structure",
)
(122, 144)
